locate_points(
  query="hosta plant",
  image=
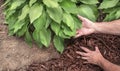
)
(111, 8)
(47, 21)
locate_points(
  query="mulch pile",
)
(109, 46)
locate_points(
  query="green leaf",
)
(36, 37)
(51, 3)
(110, 16)
(55, 27)
(40, 22)
(62, 34)
(117, 14)
(77, 22)
(67, 31)
(74, 1)
(58, 43)
(24, 13)
(28, 37)
(18, 25)
(16, 3)
(95, 10)
(89, 1)
(35, 12)
(45, 37)
(31, 2)
(22, 31)
(11, 22)
(24, 28)
(55, 13)
(108, 4)
(69, 6)
(68, 20)
(9, 13)
(48, 21)
(86, 11)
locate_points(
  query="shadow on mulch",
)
(109, 46)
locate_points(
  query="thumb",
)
(97, 49)
(85, 20)
(81, 18)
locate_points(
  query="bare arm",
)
(112, 27)
(108, 66)
(89, 27)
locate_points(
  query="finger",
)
(85, 49)
(78, 34)
(96, 48)
(85, 58)
(81, 18)
(86, 62)
(81, 53)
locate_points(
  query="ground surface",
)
(15, 54)
(109, 46)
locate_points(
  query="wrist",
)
(95, 27)
(101, 62)
(98, 26)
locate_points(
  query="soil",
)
(16, 54)
(70, 61)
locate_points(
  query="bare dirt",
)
(16, 54)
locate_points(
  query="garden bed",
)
(70, 61)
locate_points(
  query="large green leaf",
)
(89, 1)
(58, 43)
(11, 22)
(55, 13)
(62, 34)
(95, 10)
(86, 11)
(67, 31)
(24, 13)
(117, 14)
(18, 25)
(48, 21)
(45, 37)
(51, 3)
(35, 12)
(16, 3)
(28, 37)
(31, 2)
(68, 20)
(40, 22)
(69, 6)
(22, 31)
(110, 16)
(77, 22)
(108, 4)
(36, 37)
(9, 13)
(55, 27)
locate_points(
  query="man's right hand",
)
(87, 27)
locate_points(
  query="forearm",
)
(108, 66)
(112, 27)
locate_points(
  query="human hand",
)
(93, 57)
(87, 27)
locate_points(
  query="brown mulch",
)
(109, 46)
